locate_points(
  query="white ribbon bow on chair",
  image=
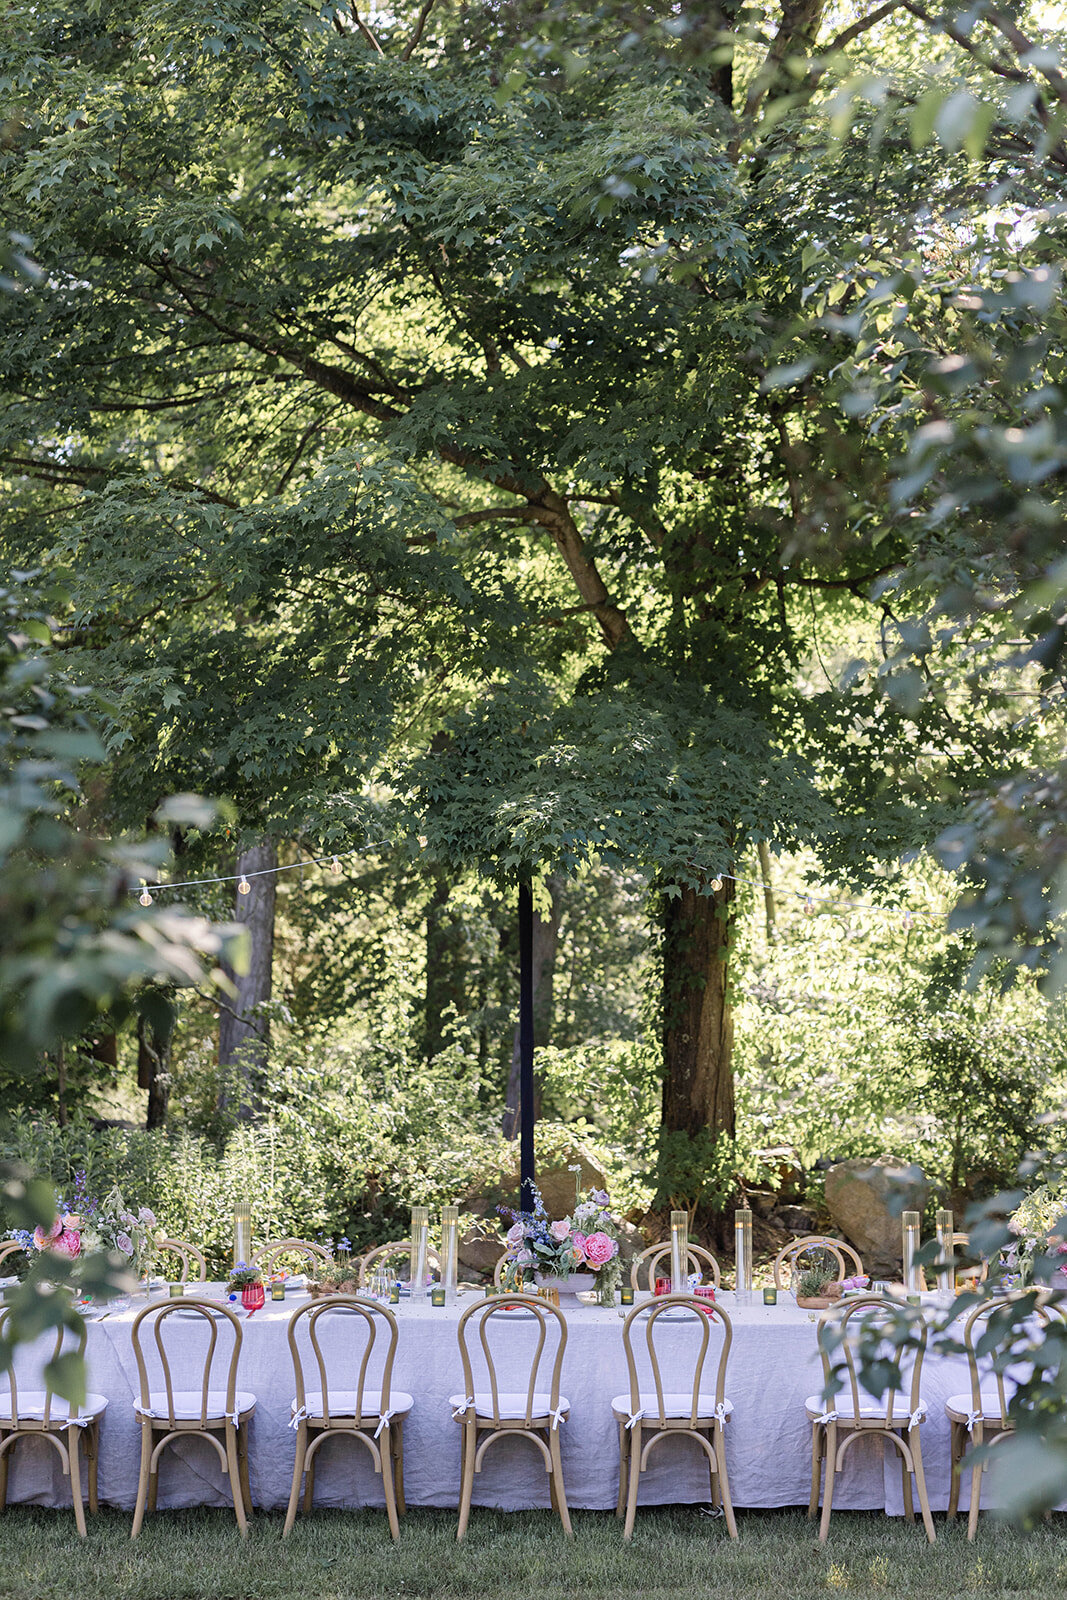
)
(384, 1421)
(461, 1411)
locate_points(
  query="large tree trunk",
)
(244, 1036)
(698, 1083)
(545, 947)
(155, 1035)
(446, 968)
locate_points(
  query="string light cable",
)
(810, 903)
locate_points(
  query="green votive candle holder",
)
(770, 1297)
(437, 1295)
(627, 1293)
(176, 1290)
(915, 1299)
(277, 1290)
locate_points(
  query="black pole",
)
(527, 1178)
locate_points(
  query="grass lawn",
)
(676, 1554)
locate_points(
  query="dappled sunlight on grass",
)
(676, 1552)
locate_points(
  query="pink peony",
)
(599, 1249)
(515, 1235)
(124, 1243)
(67, 1243)
(559, 1231)
(43, 1238)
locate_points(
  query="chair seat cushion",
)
(187, 1404)
(675, 1406)
(511, 1407)
(961, 1405)
(343, 1403)
(31, 1405)
(870, 1409)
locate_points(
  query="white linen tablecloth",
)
(773, 1366)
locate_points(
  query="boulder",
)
(556, 1182)
(865, 1198)
(480, 1249)
(794, 1219)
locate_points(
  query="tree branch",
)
(846, 36)
(364, 30)
(428, 6)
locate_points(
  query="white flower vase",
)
(572, 1285)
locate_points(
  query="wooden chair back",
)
(75, 1345)
(276, 1248)
(157, 1316)
(842, 1361)
(365, 1321)
(188, 1255)
(9, 1248)
(382, 1252)
(686, 1368)
(787, 1257)
(979, 1267)
(543, 1362)
(987, 1339)
(697, 1260)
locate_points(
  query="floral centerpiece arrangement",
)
(817, 1285)
(85, 1223)
(585, 1242)
(1038, 1252)
(246, 1281)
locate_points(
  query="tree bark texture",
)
(244, 1036)
(545, 948)
(447, 962)
(153, 1065)
(698, 1085)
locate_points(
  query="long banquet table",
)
(773, 1366)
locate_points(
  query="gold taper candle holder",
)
(242, 1233)
(450, 1252)
(420, 1244)
(913, 1272)
(946, 1266)
(743, 1255)
(679, 1252)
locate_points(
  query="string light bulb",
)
(908, 920)
(809, 905)
(716, 884)
(335, 867)
(244, 887)
(144, 897)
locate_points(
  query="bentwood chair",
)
(981, 1417)
(6, 1250)
(41, 1414)
(896, 1418)
(787, 1259)
(400, 1249)
(974, 1269)
(487, 1412)
(359, 1405)
(215, 1410)
(277, 1249)
(697, 1260)
(189, 1256)
(651, 1413)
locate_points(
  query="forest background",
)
(624, 451)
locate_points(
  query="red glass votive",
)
(705, 1291)
(663, 1286)
(253, 1296)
